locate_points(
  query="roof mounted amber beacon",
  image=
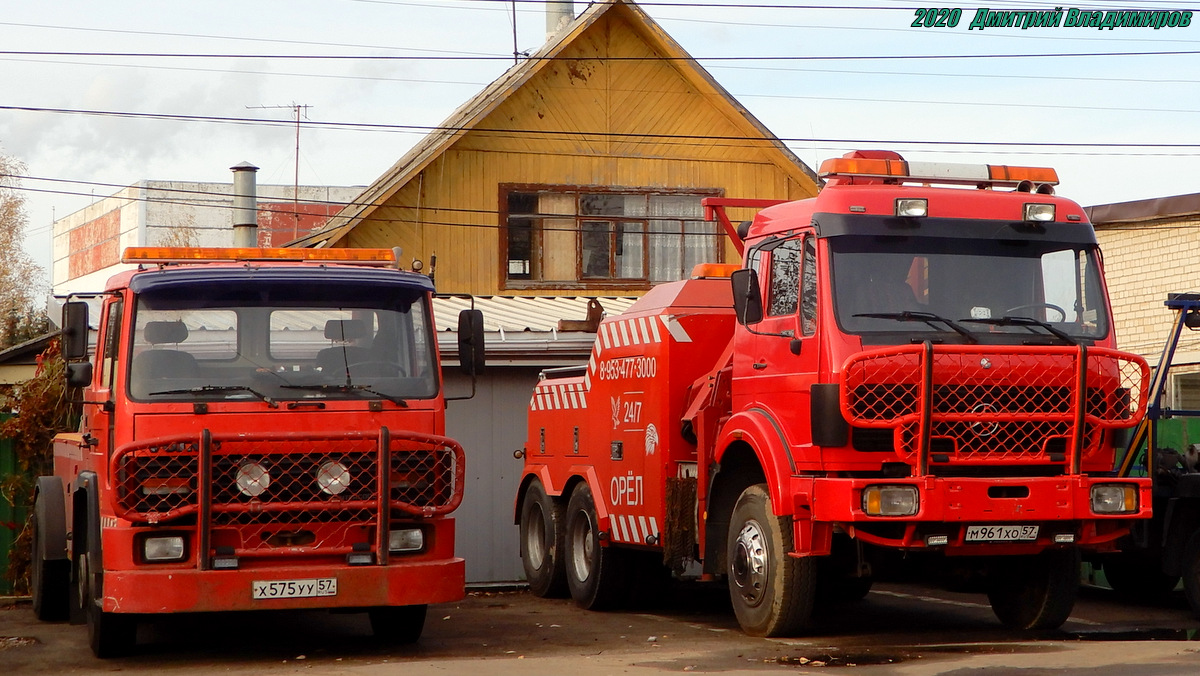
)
(896, 170)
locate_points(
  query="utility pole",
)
(298, 109)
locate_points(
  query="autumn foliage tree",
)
(21, 280)
(44, 410)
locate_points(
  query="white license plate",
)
(294, 589)
(1001, 533)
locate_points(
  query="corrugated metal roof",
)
(536, 314)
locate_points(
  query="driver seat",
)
(335, 359)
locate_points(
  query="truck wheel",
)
(1034, 592)
(1138, 576)
(542, 543)
(109, 634)
(398, 624)
(49, 576)
(1191, 573)
(772, 592)
(595, 574)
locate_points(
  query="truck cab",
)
(260, 429)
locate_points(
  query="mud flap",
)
(679, 535)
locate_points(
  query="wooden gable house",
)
(578, 172)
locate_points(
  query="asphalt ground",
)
(896, 629)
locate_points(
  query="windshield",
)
(1048, 286)
(282, 343)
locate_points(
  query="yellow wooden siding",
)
(658, 111)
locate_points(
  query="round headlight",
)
(333, 478)
(252, 479)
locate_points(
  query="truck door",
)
(784, 352)
(101, 424)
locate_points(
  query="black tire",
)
(1191, 573)
(542, 533)
(772, 593)
(109, 634)
(1034, 592)
(50, 569)
(1138, 576)
(596, 574)
(398, 624)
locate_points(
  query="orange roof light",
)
(175, 254)
(1018, 174)
(857, 166)
(703, 270)
(937, 172)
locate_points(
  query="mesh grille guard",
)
(167, 478)
(994, 405)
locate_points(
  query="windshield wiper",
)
(924, 317)
(348, 388)
(1027, 322)
(222, 388)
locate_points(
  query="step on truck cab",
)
(917, 364)
(261, 429)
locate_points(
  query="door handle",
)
(758, 366)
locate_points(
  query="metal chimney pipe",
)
(558, 15)
(245, 205)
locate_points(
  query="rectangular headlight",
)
(1114, 499)
(912, 207)
(890, 500)
(164, 548)
(406, 540)
(1040, 213)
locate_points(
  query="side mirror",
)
(75, 330)
(79, 374)
(470, 342)
(747, 299)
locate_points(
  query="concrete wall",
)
(87, 244)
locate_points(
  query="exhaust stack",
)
(245, 205)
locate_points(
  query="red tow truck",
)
(261, 429)
(916, 364)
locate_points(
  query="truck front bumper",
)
(946, 507)
(183, 590)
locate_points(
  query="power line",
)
(631, 137)
(660, 59)
(224, 196)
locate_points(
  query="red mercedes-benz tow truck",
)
(918, 362)
(261, 429)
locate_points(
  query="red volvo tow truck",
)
(917, 363)
(261, 429)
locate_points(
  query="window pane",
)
(631, 250)
(602, 205)
(785, 279)
(596, 248)
(666, 256)
(522, 203)
(699, 245)
(808, 288)
(520, 247)
(677, 206)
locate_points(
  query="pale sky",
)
(1083, 115)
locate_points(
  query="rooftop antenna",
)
(298, 109)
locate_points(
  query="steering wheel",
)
(1036, 306)
(384, 369)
